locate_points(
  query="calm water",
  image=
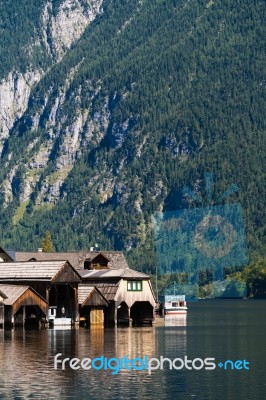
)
(221, 329)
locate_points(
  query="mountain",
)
(110, 107)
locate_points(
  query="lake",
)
(220, 329)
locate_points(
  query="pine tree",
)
(47, 244)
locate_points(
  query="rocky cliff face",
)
(115, 105)
(60, 30)
(14, 95)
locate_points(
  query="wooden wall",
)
(66, 275)
(2, 314)
(130, 297)
(29, 298)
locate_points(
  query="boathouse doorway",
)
(2, 313)
(92, 305)
(141, 313)
(29, 316)
(63, 298)
(91, 316)
(96, 316)
(22, 306)
(123, 314)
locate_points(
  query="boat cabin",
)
(175, 304)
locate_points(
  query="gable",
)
(30, 298)
(17, 296)
(100, 261)
(66, 274)
(4, 257)
(2, 296)
(95, 298)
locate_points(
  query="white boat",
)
(175, 304)
(55, 321)
(63, 321)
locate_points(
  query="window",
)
(134, 286)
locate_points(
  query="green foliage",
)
(187, 77)
(255, 277)
(20, 27)
(47, 244)
(250, 282)
(235, 288)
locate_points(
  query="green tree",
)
(47, 244)
(255, 277)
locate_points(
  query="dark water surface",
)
(229, 329)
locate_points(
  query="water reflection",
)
(176, 320)
(27, 357)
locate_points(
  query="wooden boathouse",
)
(4, 256)
(128, 292)
(80, 260)
(21, 303)
(55, 281)
(2, 310)
(92, 287)
(92, 305)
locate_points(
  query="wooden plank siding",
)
(30, 298)
(66, 274)
(116, 259)
(130, 297)
(42, 271)
(96, 316)
(2, 296)
(95, 299)
(90, 296)
(15, 297)
(4, 256)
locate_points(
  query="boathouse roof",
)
(14, 292)
(4, 256)
(116, 259)
(2, 295)
(108, 290)
(18, 295)
(90, 295)
(122, 273)
(54, 271)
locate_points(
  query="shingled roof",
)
(117, 273)
(34, 270)
(89, 292)
(76, 258)
(14, 292)
(108, 290)
(4, 256)
(2, 295)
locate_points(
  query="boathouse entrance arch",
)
(123, 314)
(141, 312)
(28, 315)
(62, 296)
(23, 303)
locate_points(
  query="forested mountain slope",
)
(115, 105)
